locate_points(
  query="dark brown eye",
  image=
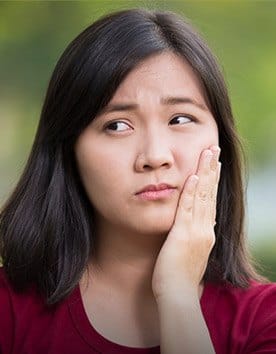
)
(182, 119)
(116, 126)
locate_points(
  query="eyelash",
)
(193, 119)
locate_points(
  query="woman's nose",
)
(155, 152)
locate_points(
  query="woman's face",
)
(154, 141)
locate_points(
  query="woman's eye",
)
(116, 126)
(182, 119)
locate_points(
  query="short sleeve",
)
(6, 316)
(263, 334)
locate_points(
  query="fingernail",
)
(216, 150)
(194, 178)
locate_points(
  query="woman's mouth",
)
(156, 191)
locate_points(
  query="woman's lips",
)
(155, 195)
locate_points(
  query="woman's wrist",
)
(180, 296)
(182, 326)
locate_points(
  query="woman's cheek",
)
(203, 141)
(190, 153)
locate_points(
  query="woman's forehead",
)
(160, 76)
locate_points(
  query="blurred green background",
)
(242, 34)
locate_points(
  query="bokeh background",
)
(242, 34)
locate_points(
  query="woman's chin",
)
(155, 225)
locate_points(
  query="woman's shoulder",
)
(5, 291)
(256, 291)
(29, 301)
(242, 318)
(12, 296)
(25, 318)
(16, 306)
(258, 296)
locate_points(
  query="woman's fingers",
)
(186, 202)
(215, 166)
(215, 191)
(205, 194)
(197, 204)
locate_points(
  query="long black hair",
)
(47, 234)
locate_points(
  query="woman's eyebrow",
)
(115, 107)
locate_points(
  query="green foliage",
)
(265, 255)
(241, 33)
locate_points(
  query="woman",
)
(124, 234)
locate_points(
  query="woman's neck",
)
(125, 260)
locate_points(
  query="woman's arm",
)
(182, 261)
(182, 327)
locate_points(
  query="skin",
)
(147, 251)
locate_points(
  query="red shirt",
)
(239, 322)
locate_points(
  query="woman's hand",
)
(183, 258)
